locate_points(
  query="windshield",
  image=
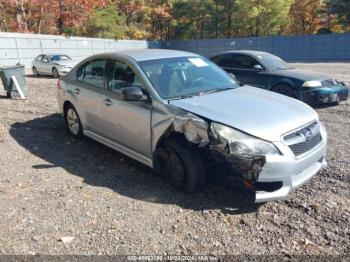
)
(55, 58)
(273, 62)
(186, 76)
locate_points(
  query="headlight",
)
(313, 83)
(242, 144)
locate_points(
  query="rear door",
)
(39, 64)
(45, 65)
(90, 91)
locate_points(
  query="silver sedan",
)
(180, 114)
(52, 64)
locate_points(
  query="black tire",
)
(77, 129)
(35, 72)
(55, 73)
(283, 89)
(12, 94)
(15, 94)
(181, 164)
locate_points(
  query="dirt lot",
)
(59, 195)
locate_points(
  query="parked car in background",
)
(270, 72)
(179, 113)
(52, 64)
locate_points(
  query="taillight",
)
(58, 84)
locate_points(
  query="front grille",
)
(305, 139)
(331, 83)
(328, 83)
(301, 148)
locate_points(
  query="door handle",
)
(108, 102)
(77, 91)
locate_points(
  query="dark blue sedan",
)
(270, 72)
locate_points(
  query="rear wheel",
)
(73, 122)
(283, 89)
(12, 94)
(55, 73)
(181, 164)
(35, 72)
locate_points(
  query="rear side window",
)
(93, 73)
(45, 59)
(38, 59)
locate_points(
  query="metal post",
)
(18, 55)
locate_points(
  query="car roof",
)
(50, 54)
(246, 52)
(147, 54)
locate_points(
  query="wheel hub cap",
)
(73, 122)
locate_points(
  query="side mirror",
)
(258, 67)
(133, 93)
(233, 76)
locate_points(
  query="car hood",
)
(69, 63)
(304, 75)
(261, 113)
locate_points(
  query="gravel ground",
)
(59, 195)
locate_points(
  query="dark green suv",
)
(270, 72)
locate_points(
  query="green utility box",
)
(14, 81)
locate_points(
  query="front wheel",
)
(55, 73)
(35, 72)
(283, 89)
(73, 122)
(12, 94)
(181, 164)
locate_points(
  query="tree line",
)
(175, 19)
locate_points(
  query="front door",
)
(247, 70)
(127, 123)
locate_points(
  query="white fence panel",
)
(23, 48)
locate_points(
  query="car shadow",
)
(4, 97)
(40, 77)
(326, 105)
(100, 166)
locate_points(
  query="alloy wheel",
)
(73, 121)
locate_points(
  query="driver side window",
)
(244, 62)
(45, 59)
(122, 76)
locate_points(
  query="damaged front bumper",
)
(326, 95)
(273, 177)
(290, 171)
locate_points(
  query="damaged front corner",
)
(248, 167)
(195, 129)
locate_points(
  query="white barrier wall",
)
(23, 48)
(330, 47)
